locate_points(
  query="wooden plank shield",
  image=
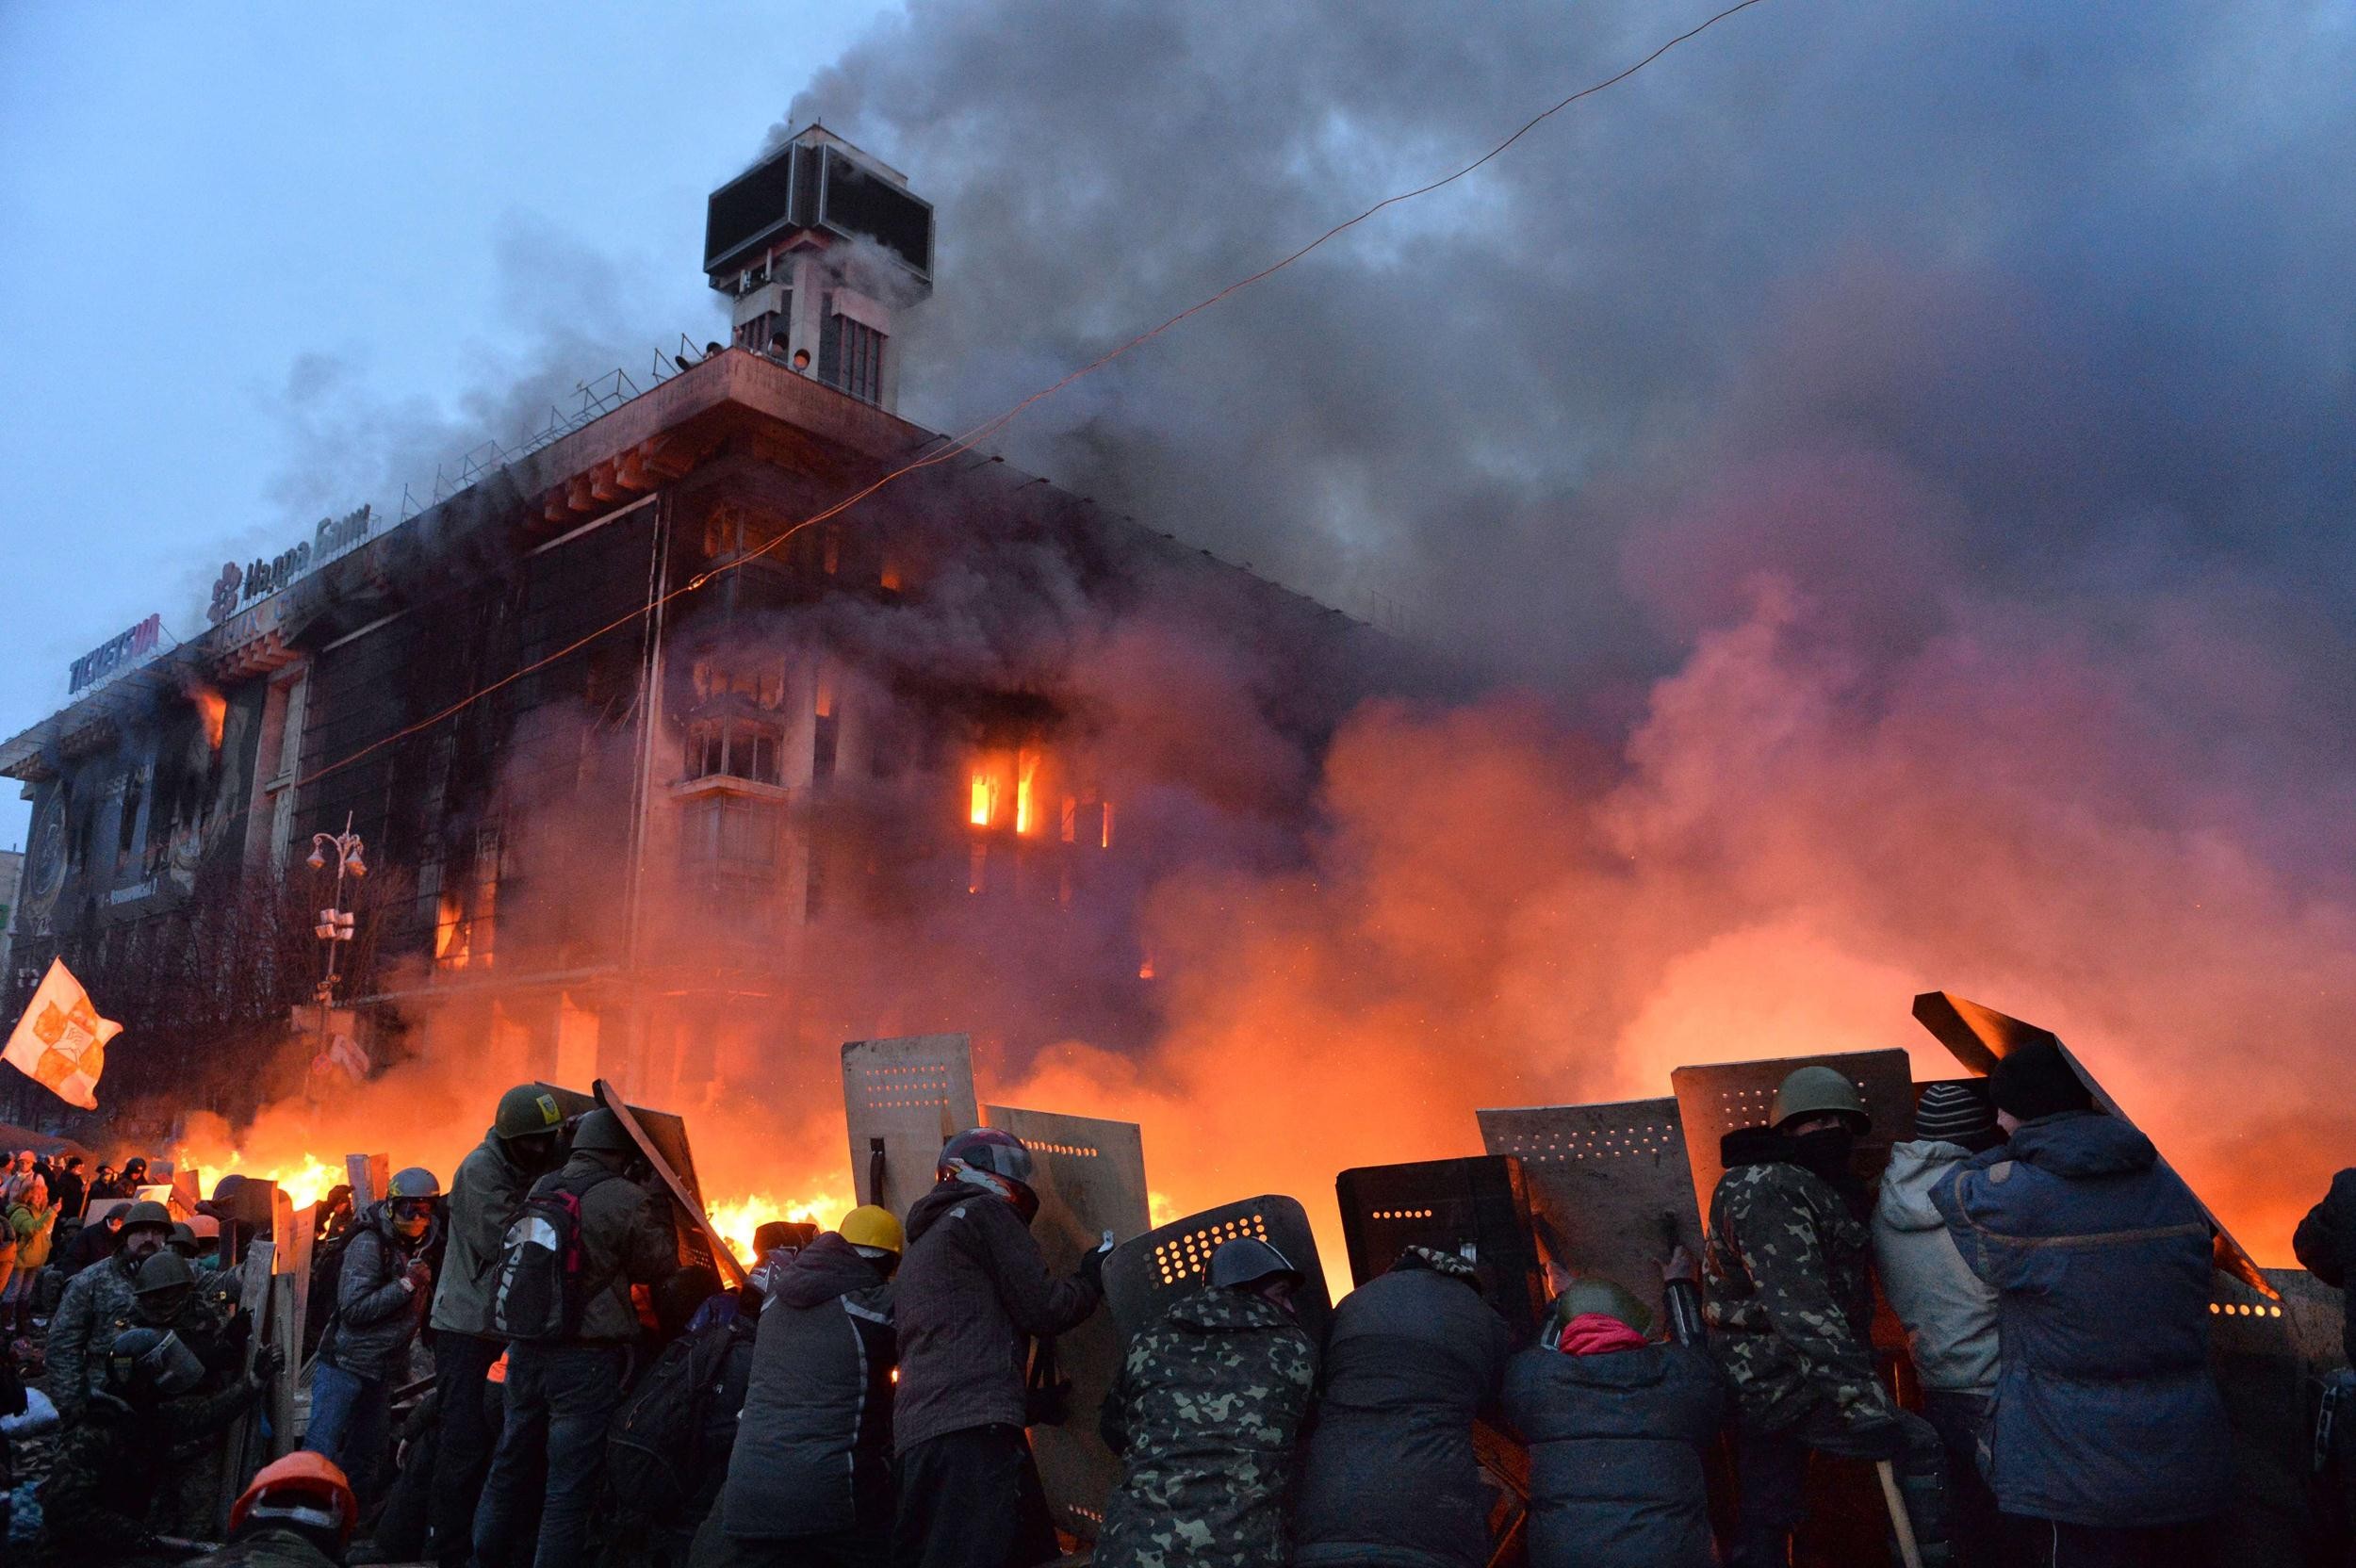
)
(904, 1099)
(1610, 1189)
(1089, 1175)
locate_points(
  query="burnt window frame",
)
(735, 748)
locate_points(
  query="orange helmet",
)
(303, 1488)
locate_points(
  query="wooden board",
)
(369, 1176)
(1144, 1274)
(1721, 1098)
(1089, 1175)
(905, 1098)
(663, 1139)
(1980, 1036)
(241, 1444)
(1610, 1189)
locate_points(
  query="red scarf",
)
(1594, 1333)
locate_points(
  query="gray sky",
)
(212, 219)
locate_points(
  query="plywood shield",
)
(1979, 1037)
(1723, 1097)
(661, 1137)
(1090, 1176)
(1449, 1204)
(1610, 1189)
(904, 1099)
(1146, 1273)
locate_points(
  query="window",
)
(850, 356)
(726, 831)
(465, 918)
(824, 730)
(126, 833)
(759, 332)
(733, 748)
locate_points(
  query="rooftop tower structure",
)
(821, 249)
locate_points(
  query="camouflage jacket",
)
(1206, 1414)
(105, 1488)
(1788, 1285)
(95, 1301)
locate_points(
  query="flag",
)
(60, 1042)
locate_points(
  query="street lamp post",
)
(335, 925)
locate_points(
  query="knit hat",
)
(2037, 1080)
(1954, 1113)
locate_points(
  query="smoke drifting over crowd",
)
(1888, 466)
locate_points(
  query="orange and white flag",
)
(60, 1042)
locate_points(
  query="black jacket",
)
(377, 1310)
(1615, 1455)
(973, 1289)
(2326, 1245)
(813, 1446)
(1409, 1360)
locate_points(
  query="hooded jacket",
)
(1205, 1416)
(1949, 1312)
(485, 1197)
(813, 1446)
(2105, 1412)
(378, 1311)
(1411, 1359)
(973, 1287)
(1615, 1454)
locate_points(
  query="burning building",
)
(668, 766)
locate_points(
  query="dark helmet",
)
(164, 1287)
(416, 1181)
(602, 1132)
(183, 1242)
(135, 1162)
(1241, 1261)
(1593, 1294)
(145, 1365)
(526, 1111)
(147, 1211)
(988, 1149)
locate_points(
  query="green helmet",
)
(1593, 1293)
(602, 1132)
(1819, 1091)
(414, 1181)
(147, 1211)
(527, 1109)
(164, 1270)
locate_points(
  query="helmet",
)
(164, 1270)
(601, 1132)
(1817, 1091)
(1242, 1261)
(147, 1364)
(416, 1181)
(987, 1149)
(183, 1235)
(303, 1489)
(871, 1226)
(527, 1109)
(147, 1211)
(1593, 1293)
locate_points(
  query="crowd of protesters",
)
(859, 1400)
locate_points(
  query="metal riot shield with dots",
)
(1145, 1274)
(904, 1099)
(1450, 1205)
(1725, 1097)
(1610, 1189)
(1089, 1175)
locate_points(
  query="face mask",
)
(1825, 1151)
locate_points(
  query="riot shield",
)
(1979, 1037)
(1482, 1202)
(904, 1099)
(1090, 1176)
(661, 1137)
(1610, 1189)
(1145, 1272)
(1723, 1097)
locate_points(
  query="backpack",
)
(662, 1435)
(542, 1282)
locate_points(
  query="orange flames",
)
(212, 708)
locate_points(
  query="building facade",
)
(669, 769)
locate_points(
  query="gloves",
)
(420, 1276)
(1092, 1264)
(268, 1361)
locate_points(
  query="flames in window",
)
(1026, 784)
(212, 711)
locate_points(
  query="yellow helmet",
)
(871, 1226)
